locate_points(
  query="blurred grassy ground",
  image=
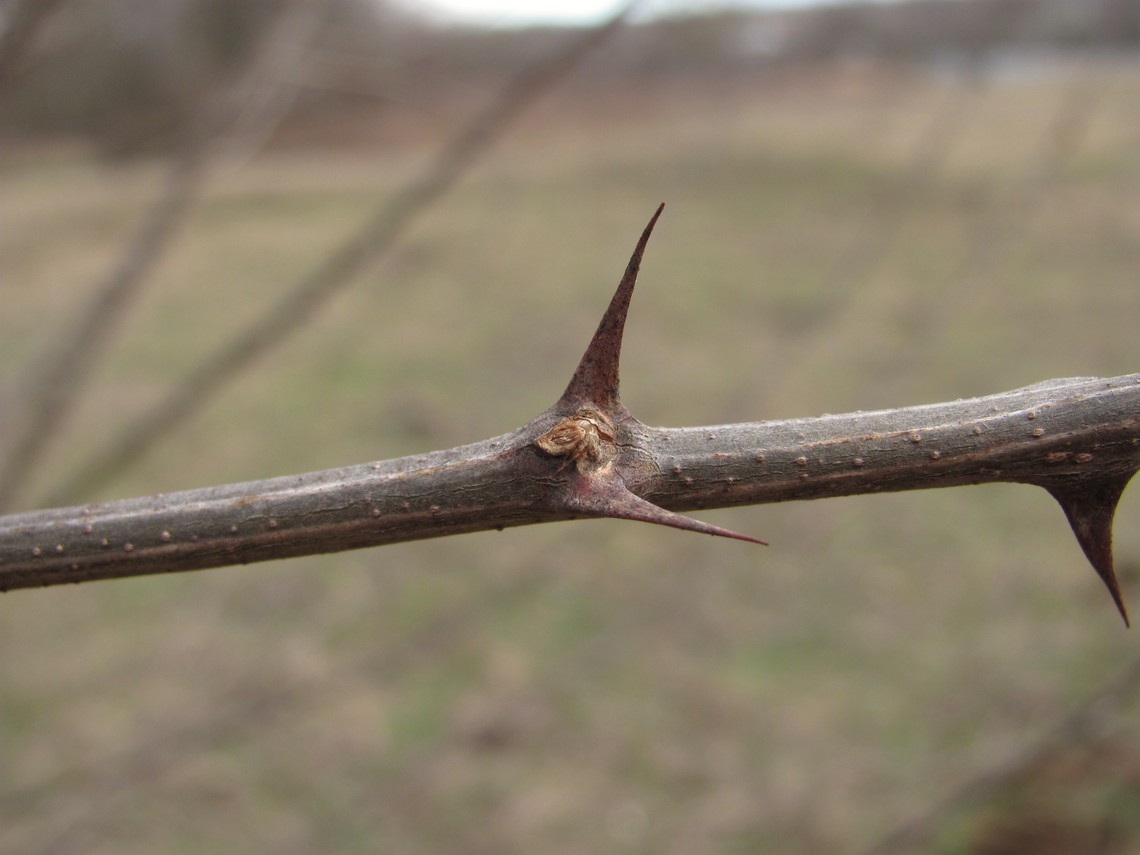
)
(598, 687)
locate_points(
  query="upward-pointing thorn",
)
(596, 379)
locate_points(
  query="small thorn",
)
(596, 378)
(1090, 508)
(601, 496)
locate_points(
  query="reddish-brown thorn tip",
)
(605, 495)
(1090, 508)
(595, 382)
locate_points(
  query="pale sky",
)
(511, 13)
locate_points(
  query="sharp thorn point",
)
(596, 378)
(609, 497)
(1090, 508)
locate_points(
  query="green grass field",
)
(595, 686)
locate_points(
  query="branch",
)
(587, 456)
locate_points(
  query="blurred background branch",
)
(386, 225)
(54, 382)
(1096, 724)
(22, 19)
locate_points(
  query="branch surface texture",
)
(588, 456)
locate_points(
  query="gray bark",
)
(1062, 431)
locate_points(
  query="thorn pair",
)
(588, 433)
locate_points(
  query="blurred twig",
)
(53, 384)
(377, 236)
(1059, 143)
(23, 20)
(858, 290)
(270, 97)
(51, 387)
(928, 155)
(1089, 722)
(864, 292)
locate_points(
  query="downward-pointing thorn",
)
(1090, 508)
(600, 495)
